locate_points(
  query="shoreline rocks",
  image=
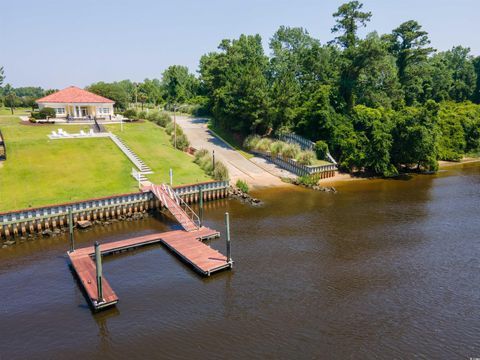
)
(238, 194)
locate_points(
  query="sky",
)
(58, 43)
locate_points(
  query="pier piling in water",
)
(70, 227)
(200, 194)
(98, 266)
(227, 225)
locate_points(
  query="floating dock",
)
(187, 245)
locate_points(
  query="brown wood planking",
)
(186, 244)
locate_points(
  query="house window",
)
(106, 110)
(99, 110)
(60, 111)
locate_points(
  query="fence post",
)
(171, 177)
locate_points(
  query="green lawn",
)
(39, 171)
(152, 145)
(16, 111)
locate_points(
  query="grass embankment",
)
(229, 139)
(152, 145)
(39, 171)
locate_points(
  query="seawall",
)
(37, 220)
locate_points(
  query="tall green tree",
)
(476, 93)
(415, 137)
(349, 17)
(178, 85)
(376, 80)
(464, 78)
(236, 79)
(113, 91)
(409, 44)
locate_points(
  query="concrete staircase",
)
(142, 167)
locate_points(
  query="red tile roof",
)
(74, 94)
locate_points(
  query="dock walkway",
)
(177, 207)
(187, 245)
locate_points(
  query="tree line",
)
(381, 103)
(177, 87)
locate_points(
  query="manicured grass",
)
(229, 139)
(152, 145)
(16, 111)
(39, 171)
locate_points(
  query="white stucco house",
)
(77, 103)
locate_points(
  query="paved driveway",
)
(239, 167)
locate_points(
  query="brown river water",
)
(382, 269)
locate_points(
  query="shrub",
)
(290, 151)
(182, 141)
(169, 128)
(321, 149)
(142, 115)
(159, 117)
(242, 185)
(305, 157)
(308, 180)
(47, 112)
(199, 154)
(162, 119)
(264, 145)
(251, 142)
(220, 172)
(36, 116)
(277, 147)
(130, 114)
(205, 161)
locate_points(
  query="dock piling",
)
(227, 225)
(98, 265)
(70, 226)
(200, 194)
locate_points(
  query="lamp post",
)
(213, 159)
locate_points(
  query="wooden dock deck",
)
(187, 245)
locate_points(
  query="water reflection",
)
(382, 269)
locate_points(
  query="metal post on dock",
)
(171, 177)
(227, 225)
(200, 194)
(98, 265)
(70, 228)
